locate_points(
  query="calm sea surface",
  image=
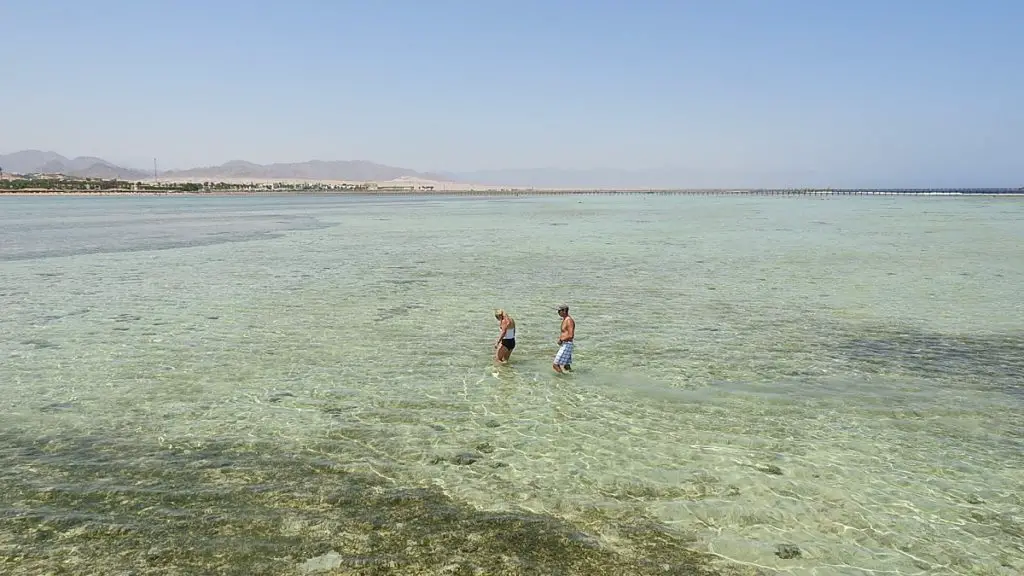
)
(275, 385)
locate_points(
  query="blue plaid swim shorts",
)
(564, 355)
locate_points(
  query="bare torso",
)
(568, 330)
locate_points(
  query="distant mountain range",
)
(351, 170)
(35, 161)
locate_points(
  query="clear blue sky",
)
(898, 91)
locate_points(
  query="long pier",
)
(804, 192)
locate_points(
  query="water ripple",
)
(799, 398)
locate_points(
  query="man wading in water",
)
(563, 359)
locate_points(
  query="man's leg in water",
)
(563, 358)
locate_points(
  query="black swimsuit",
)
(510, 343)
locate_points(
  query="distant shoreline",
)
(532, 192)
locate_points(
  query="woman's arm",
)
(504, 330)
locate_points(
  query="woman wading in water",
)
(507, 338)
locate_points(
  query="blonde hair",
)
(499, 313)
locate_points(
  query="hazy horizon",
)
(796, 93)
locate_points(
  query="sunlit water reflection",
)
(840, 377)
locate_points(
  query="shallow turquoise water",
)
(840, 374)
